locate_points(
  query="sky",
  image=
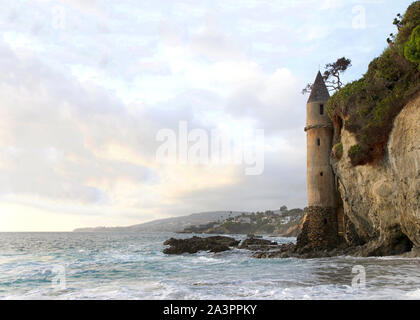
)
(88, 87)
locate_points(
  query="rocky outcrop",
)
(253, 243)
(381, 201)
(293, 231)
(196, 244)
(291, 250)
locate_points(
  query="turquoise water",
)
(132, 266)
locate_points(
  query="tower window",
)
(321, 109)
(318, 141)
(321, 173)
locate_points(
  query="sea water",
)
(132, 266)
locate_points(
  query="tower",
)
(319, 135)
(320, 229)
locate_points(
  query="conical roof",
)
(319, 91)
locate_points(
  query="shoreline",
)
(266, 249)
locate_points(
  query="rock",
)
(414, 253)
(195, 244)
(382, 200)
(251, 235)
(291, 250)
(282, 251)
(293, 231)
(252, 243)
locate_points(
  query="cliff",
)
(375, 158)
(376, 155)
(382, 201)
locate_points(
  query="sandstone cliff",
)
(381, 201)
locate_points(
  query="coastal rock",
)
(283, 251)
(253, 243)
(195, 244)
(291, 250)
(382, 200)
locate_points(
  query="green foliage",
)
(340, 99)
(233, 227)
(266, 228)
(338, 151)
(369, 105)
(356, 154)
(412, 47)
(385, 67)
(354, 150)
(408, 23)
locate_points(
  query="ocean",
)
(67, 265)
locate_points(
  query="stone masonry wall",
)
(319, 230)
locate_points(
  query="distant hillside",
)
(280, 222)
(170, 224)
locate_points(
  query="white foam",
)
(414, 294)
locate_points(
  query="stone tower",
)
(319, 135)
(320, 229)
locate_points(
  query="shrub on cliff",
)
(338, 151)
(412, 47)
(356, 154)
(408, 23)
(368, 106)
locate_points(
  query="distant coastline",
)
(174, 224)
(280, 222)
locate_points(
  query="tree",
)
(412, 47)
(398, 23)
(332, 75)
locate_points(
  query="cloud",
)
(271, 99)
(83, 95)
(282, 182)
(52, 128)
(233, 83)
(85, 6)
(70, 143)
(211, 42)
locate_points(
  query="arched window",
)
(321, 173)
(318, 141)
(321, 109)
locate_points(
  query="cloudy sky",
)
(85, 86)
